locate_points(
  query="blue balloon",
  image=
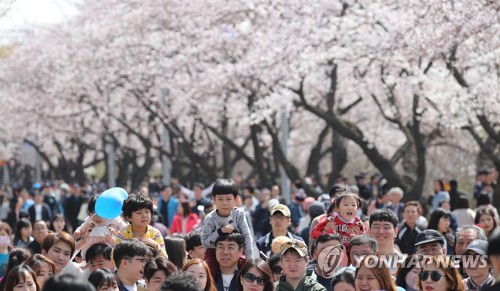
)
(109, 204)
(37, 186)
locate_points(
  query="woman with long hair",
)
(22, 234)
(437, 274)
(176, 250)
(22, 278)
(184, 221)
(16, 257)
(255, 275)
(59, 223)
(5, 235)
(200, 270)
(43, 267)
(440, 221)
(369, 278)
(487, 219)
(407, 274)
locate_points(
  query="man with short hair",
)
(294, 258)
(479, 274)
(194, 247)
(395, 195)
(40, 231)
(360, 247)
(466, 235)
(383, 228)
(430, 243)
(167, 205)
(59, 247)
(39, 210)
(280, 221)
(297, 208)
(408, 229)
(228, 249)
(98, 256)
(328, 253)
(130, 257)
(364, 191)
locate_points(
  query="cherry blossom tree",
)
(385, 76)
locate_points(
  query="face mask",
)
(4, 241)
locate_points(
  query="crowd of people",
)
(235, 235)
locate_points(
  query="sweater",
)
(212, 224)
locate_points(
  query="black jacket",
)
(407, 238)
(220, 284)
(46, 213)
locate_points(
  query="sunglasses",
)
(249, 277)
(435, 275)
(277, 270)
(294, 243)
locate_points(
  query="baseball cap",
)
(428, 236)
(300, 195)
(479, 246)
(272, 202)
(281, 208)
(297, 245)
(278, 242)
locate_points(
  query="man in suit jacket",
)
(39, 210)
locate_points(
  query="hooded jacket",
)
(308, 283)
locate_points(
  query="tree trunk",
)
(338, 158)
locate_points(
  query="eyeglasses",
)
(277, 270)
(142, 260)
(435, 275)
(249, 277)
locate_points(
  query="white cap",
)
(272, 203)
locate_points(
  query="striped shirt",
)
(152, 232)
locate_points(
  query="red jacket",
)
(191, 222)
(336, 225)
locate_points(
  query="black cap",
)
(428, 236)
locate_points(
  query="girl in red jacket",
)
(343, 221)
(184, 221)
